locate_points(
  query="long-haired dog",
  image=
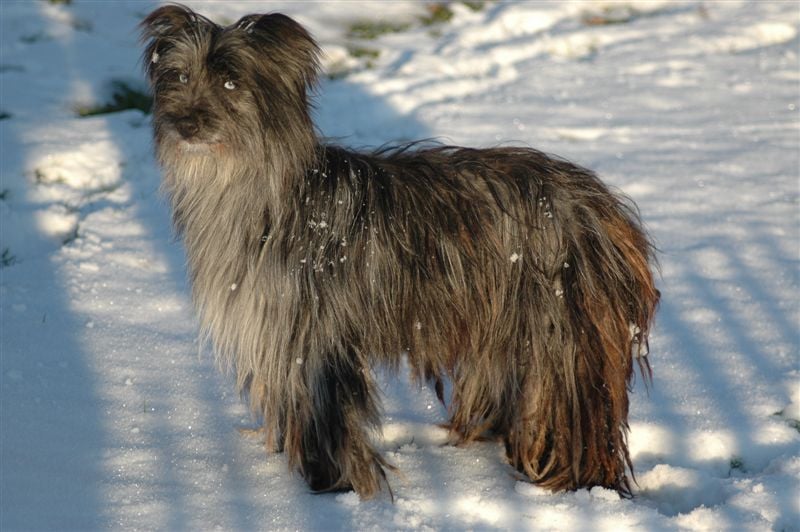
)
(518, 277)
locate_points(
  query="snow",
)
(111, 416)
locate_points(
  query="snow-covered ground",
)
(109, 417)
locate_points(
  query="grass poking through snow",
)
(372, 29)
(123, 97)
(7, 258)
(437, 14)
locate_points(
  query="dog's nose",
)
(187, 126)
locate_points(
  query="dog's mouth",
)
(200, 146)
(196, 144)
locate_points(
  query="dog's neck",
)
(260, 183)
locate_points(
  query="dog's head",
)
(226, 88)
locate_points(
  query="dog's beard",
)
(189, 147)
(213, 143)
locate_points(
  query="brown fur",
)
(518, 276)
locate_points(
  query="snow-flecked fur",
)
(517, 276)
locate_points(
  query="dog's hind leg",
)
(570, 430)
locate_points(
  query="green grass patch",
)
(338, 73)
(363, 52)
(123, 98)
(7, 259)
(366, 56)
(369, 29)
(476, 5)
(33, 38)
(737, 463)
(608, 15)
(81, 24)
(623, 14)
(437, 14)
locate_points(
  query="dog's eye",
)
(183, 78)
(229, 85)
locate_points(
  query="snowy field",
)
(113, 418)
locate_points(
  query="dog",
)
(517, 277)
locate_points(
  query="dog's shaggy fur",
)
(517, 276)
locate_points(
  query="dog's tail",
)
(574, 434)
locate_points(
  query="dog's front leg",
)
(332, 446)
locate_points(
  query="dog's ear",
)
(167, 20)
(284, 41)
(165, 25)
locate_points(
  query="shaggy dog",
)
(518, 277)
